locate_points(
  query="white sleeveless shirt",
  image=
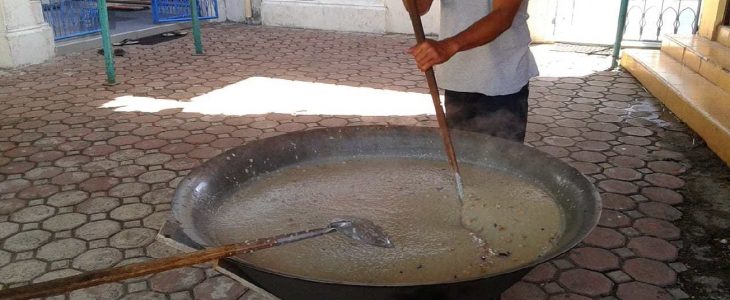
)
(500, 67)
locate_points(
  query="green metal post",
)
(106, 43)
(619, 32)
(196, 27)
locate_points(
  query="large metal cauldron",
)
(217, 179)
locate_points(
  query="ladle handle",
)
(93, 278)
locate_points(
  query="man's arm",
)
(423, 6)
(487, 29)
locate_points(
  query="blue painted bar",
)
(71, 18)
(165, 11)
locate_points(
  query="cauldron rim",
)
(553, 253)
(240, 261)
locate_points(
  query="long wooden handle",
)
(88, 279)
(93, 278)
(433, 88)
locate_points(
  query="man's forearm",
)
(486, 29)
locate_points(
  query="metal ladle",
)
(362, 230)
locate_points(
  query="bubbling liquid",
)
(511, 222)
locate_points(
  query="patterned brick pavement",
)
(84, 187)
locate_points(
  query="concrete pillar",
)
(25, 38)
(372, 15)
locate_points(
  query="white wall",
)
(540, 22)
(236, 12)
(24, 37)
(223, 11)
(586, 21)
(350, 13)
(344, 15)
(379, 16)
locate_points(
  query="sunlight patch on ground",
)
(567, 64)
(262, 95)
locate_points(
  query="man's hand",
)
(430, 53)
(422, 6)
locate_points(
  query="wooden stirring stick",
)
(361, 230)
(433, 88)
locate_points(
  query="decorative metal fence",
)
(648, 20)
(70, 18)
(164, 11)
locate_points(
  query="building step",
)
(698, 102)
(709, 59)
(723, 36)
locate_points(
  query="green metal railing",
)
(196, 27)
(107, 42)
(109, 55)
(619, 32)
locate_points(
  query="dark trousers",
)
(502, 116)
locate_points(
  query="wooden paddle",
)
(440, 116)
(358, 229)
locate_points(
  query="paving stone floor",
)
(85, 186)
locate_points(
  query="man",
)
(484, 63)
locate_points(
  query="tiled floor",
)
(87, 171)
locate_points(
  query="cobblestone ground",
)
(84, 187)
